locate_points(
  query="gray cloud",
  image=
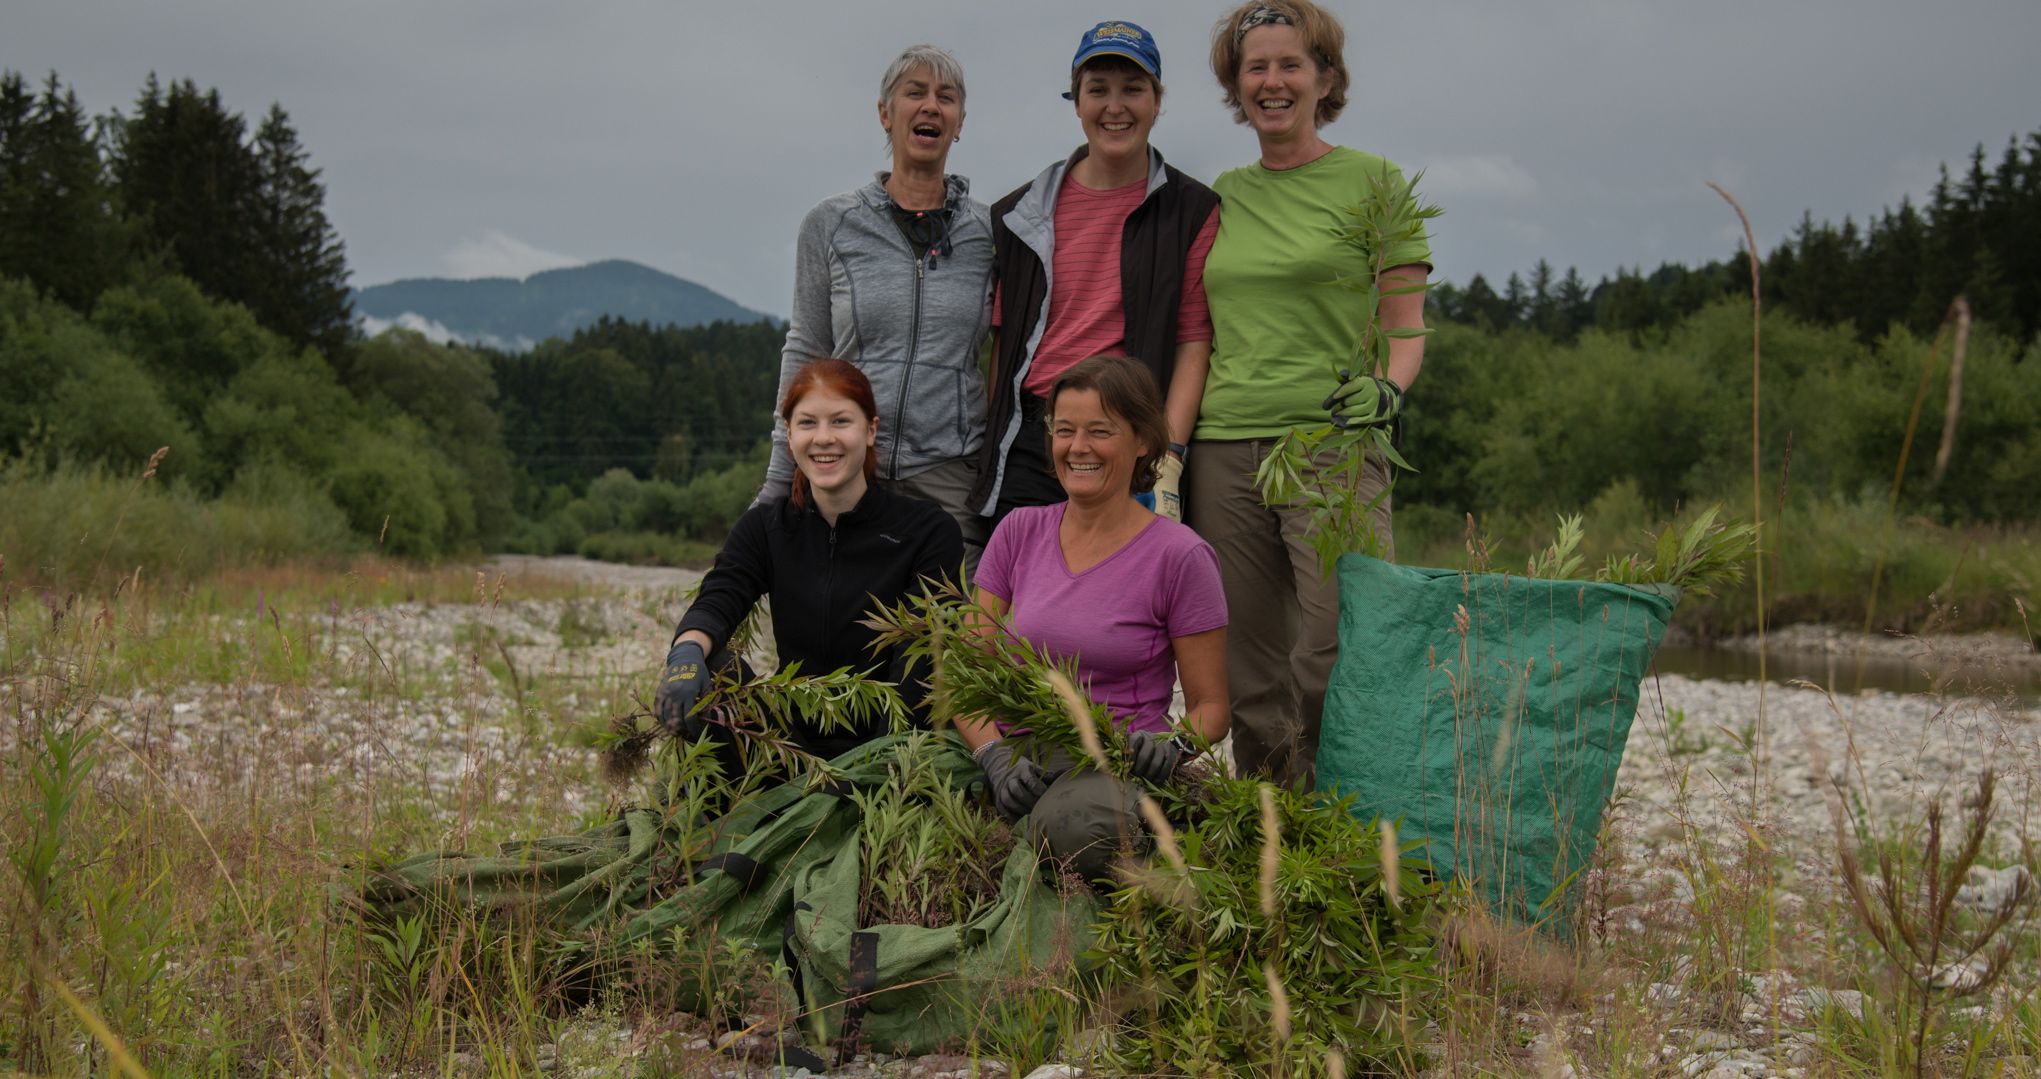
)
(692, 136)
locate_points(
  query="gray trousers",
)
(1282, 613)
(949, 485)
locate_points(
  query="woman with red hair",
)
(826, 554)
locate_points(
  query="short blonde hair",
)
(1323, 37)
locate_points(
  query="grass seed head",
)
(1279, 1002)
(1391, 860)
(1271, 850)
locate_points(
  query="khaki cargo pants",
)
(1282, 614)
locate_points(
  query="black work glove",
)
(1155, 755)
(1017, 783)
(1364, 401)
(680, 686)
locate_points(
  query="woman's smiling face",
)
(1118, 108)
(1280, 82)
(1094, 451)
(829, 436)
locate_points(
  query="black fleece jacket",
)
(823, 581)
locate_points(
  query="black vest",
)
(1154, 242)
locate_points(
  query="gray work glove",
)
(681, 685)
(1364, 401)
(1155, 755)
(1017, 783)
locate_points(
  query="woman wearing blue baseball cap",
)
(1281, 326)
(895, 277)
(1101, 254)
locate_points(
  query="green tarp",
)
(1487, 714)
(778, 877)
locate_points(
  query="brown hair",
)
(1323, 38)
(843, 379)
(1125, 389)
(1111, 62)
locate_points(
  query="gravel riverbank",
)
(1710, 765)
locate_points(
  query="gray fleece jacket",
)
(912, 321)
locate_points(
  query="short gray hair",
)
(933, 57)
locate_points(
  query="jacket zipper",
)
(907, 375)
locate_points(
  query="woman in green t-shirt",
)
(1280, 328)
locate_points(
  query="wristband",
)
(1183, 452)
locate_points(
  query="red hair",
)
(843, 379)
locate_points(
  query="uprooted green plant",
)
(759, 715)
(1325, 469)
(1269, 965)
(973, 673)
(932, 856)
(1707, 553)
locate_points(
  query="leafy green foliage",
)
(1325, 470)
(450, 393)
(1696, 559)
(395, 487)
(625, 519)
(1353, 967)
(107, 408)
(975, 674)
(931, 854)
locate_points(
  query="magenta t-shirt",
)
(1115, 619)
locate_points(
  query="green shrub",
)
(1245, 978)
(645, 549)
(76, 526)
(283, 408)
(193, 343)
(395, 487)
(106, 408)
(451, 393)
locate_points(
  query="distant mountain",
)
(504, 312)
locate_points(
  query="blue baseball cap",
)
(1118, 37)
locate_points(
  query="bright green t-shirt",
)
(1279, 323)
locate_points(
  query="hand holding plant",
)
(1322, 469)
(1017, 783)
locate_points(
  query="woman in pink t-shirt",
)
(1132, 598)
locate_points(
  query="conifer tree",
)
(299, 287)
(187, 175)
(58, 225)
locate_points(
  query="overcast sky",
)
(508, 136)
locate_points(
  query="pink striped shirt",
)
(1086, 314)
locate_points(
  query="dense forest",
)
(168, 277)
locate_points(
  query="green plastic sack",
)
(908, 989)
(1487, 715)
(779, 878)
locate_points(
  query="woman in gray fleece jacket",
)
(896, 277)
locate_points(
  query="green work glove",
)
(1017, 783)
(1169, 487)
(1364, 401)
(680, 686)
(1155, 755)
